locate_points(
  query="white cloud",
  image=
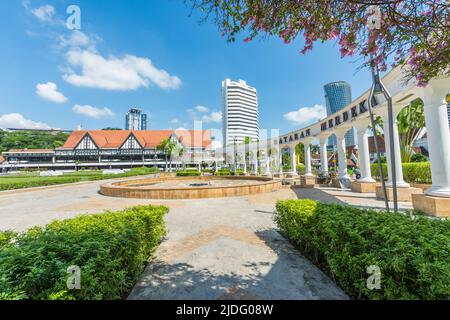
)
(92, 112)
(174, 121)
(201, 109)
(44, 13)
(49, 91)
(127, 73)
(212, 117)
(76, 39)
(201, 113)
(18, 121)
(306, 115)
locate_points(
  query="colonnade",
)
(356, 115)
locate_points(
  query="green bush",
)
(188, 173)
(223, 172)
(110, 248)
(301, 169)
(413, 252)
(418, 157)
(412, 172)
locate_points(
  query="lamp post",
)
(235, 156)
(379, 88)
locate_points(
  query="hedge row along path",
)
(215, 249)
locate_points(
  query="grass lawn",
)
(32, 180)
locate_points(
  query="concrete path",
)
(216, 248)
(229, 249)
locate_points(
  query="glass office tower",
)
(338, 95)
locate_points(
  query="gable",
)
(131, 143)
(86, 144)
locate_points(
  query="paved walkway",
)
(216, 248)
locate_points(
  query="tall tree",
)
(413, 32)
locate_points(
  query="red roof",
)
(31, 151)
(112, 139)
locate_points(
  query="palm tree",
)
(167, 146)
(178, 151)
(411, 123)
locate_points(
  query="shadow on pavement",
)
(288, 276)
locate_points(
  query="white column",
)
(342, 154)
(438, 135)
(280, 161)
(255, 161)
(364, 154)
(398, 156)
(267, 171)
(323, 154)
(293, 159)
(308, 170)
(245, 164)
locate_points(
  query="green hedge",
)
(413, 252)
(188, 173)
(419, 172)
(21, 182)
(110, 248)
(223, 172)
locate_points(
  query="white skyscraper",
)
(240, 112)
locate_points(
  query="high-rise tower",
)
(338, 95)
(240, 112)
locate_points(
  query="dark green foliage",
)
(413, 252)
(111, 250)
(31, 140)
(418, 157)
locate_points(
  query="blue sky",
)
(150, 54)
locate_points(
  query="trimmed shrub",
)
(223, 172)
(110, 248)
(188, 173)
(301, 169)
(412, 251)
(20, 183)
(419, 172)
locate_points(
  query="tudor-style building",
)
(115, 148)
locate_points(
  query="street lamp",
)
(378, 88)
(235, 156)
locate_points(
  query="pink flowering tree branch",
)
(412, 32)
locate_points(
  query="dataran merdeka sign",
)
(331, 123)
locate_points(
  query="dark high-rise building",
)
(337, 96)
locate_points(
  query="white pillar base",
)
(309, 175)
(400, 184)
(442, 192)
(366, 180)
